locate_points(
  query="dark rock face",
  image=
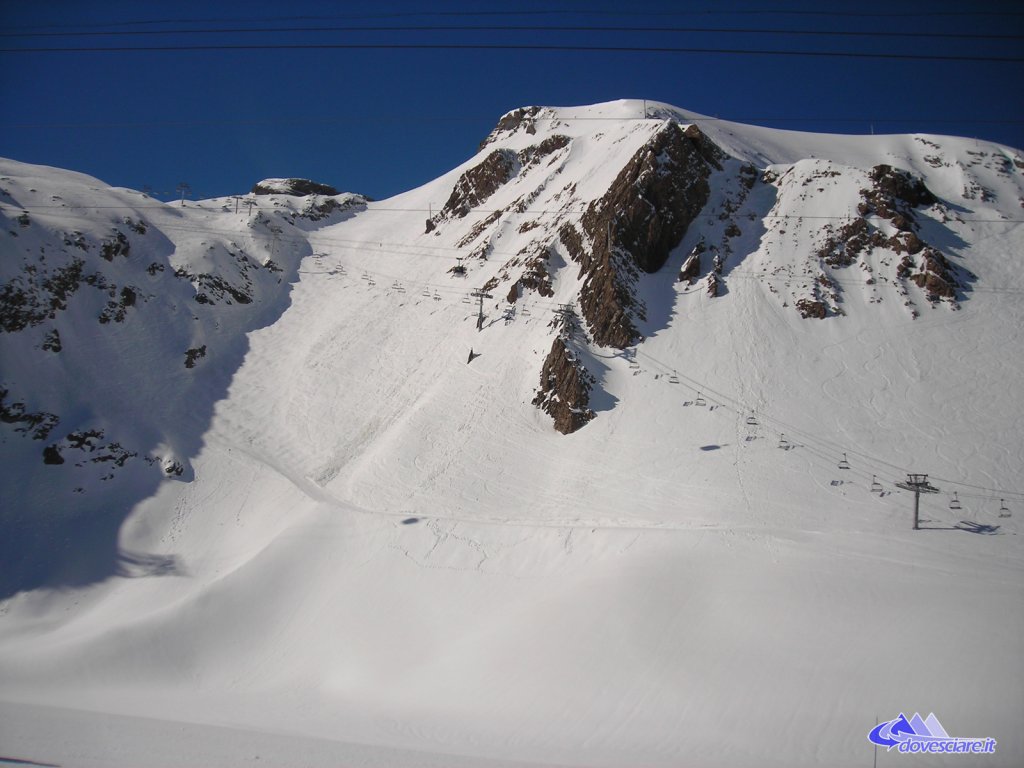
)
(533, 155)
(690, 270)
(809, 308)
(38, 425)
(635, 225)
(118, 245)
(35, 296)
(564, 391)
(893, 195)
(480, 182)
(512, 122)
(842, 248)
(293, 187)
(51, 455)
(533, 259)
(194, 354)
(318, 208)
(936, 276)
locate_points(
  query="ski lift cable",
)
(217, 200)
(808, 439)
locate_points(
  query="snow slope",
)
(378, 554)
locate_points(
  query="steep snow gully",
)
(285, 482)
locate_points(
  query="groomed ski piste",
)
(378, 554)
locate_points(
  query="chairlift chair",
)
(876, 487)
(525, 310)
(426, 292)
(751, 421)
(673, 379)
(954, 502)
(844, 464)
(1004, 511)
(700, 400)
(783, 442)
(437, 296)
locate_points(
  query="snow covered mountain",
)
(584, 453)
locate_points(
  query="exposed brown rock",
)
(480, 182)
(809, 308)
(564, 392)
(534, 154)
(936, 276)
(906, 242)
(643, 215)
(842, 248)
(534, 258)
(893, 195)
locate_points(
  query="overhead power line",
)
(874, 34)
(515, 47)
(527, 13)
(327, 120)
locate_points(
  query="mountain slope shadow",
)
(132, 411)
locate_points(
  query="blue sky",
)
(383, 120)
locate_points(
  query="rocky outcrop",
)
(318, 208)
(534, 154)
(37, 424)
(812, 308)
(893, 196)
(477, 184)
(534, 276)
(293, 187)
(565, 385)
(690, 270)
(523, 118)
(635, 225)
(937, 275)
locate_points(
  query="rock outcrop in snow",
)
(292, 187)
(635, 225)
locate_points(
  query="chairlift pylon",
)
(954, 502)
(844, 464)
(1004, 511)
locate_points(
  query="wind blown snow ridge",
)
(574, 455)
